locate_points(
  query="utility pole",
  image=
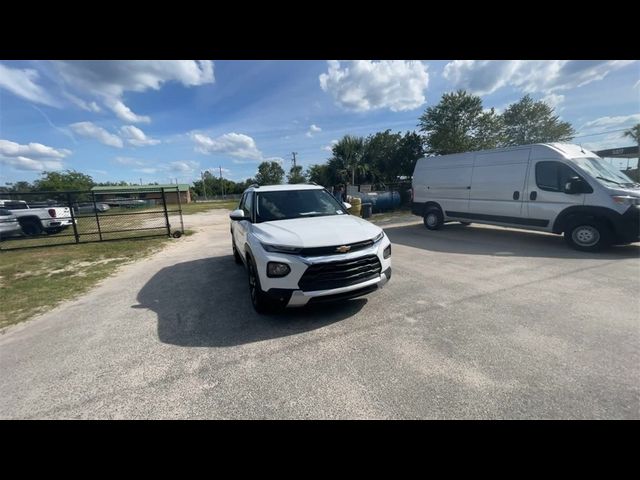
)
(140, 181)
(293, 154)
(204, 186)
(221, 182)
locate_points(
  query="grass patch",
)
(33, 281)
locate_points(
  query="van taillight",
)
(52, 212)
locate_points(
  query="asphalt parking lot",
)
(476, 322)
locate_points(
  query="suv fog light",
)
(276, 269)
(387, 252)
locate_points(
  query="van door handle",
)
(533, 195)
(516, 195)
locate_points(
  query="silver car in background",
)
(9, 225)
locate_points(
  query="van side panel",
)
(498, 183)
(444, 180)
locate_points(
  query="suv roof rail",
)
(313, 183)
(254, 185)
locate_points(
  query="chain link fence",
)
(39, 219)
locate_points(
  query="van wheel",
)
(588, 236)
(433, 219)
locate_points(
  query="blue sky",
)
(164, 120)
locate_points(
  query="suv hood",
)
(316, 231)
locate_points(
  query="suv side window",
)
(248, 205)
(552, 176)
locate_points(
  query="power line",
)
(603, 133)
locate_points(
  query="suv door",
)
(240, 227)
(546, 197)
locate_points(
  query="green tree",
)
(296, 175)
(392, 155)
(321, 175)
(528, 121)
(349, 152)
(459, 124)
(270, 173)
(21, 187)
(61, 181)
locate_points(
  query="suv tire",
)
(260, 300)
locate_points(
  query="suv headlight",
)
(277, 269)
(626, 200)
(281, 249)
(378, 237)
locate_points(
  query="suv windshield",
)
(288, 204)
(604, 172)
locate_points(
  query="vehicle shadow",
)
(205, 303)
(484, 240)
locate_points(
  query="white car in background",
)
(9, 225)
(300, 245)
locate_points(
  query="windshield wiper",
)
(609, 180)
(314, 214)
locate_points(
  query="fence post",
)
(73, 218)
(180, 209)
(95, 209)
(166, 215)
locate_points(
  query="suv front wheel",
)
(260, 300)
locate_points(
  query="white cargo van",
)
(555, 187)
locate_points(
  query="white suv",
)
(300, 245)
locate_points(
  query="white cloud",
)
(22, 82)
(24, 163)
(129, 161)
(363, 85)
(147, 170)
(233, 144)
(135, 136)
(313, 129)
(553, 100)
(124, 113)
(610, 123)
(111, 79)
(329, 148)
(91, 130)
(88, 106)
(183, 166)
(483, 77)
(34, 150)
(32, 156)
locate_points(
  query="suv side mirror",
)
(238, 215)
(574, 185)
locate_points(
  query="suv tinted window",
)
(248, 204)
(4, 212)
(552, 176)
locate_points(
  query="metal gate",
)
(40, 219)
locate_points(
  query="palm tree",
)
(634, 133)
(349, 151)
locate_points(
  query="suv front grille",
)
(318, 251)
(325, 276)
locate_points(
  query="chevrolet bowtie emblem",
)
(343, 249)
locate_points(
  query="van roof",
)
(568, 150)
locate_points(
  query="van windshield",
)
(604, 172)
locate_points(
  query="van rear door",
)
(497, 186)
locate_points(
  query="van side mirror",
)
(574, 185)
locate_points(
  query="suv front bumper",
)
(299, 298)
